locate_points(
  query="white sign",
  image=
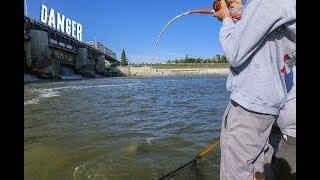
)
(61, 23)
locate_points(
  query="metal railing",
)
(30, 23)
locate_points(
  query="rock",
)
(103, 73)
(30, 78)
(87, 71)
(47, 68)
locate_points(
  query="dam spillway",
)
(48, 51)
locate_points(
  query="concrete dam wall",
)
(49, 54)
(47, 62)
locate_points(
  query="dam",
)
(52, 54)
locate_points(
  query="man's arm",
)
(240, 40)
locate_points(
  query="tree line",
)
(216, 59)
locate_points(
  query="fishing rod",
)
(216, 7)
(197, 11)
(195, 159)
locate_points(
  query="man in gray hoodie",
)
(254, 47)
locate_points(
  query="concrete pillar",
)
(42, 63)
(27, 49)
(39, 44)
(82, 58)
(101, 63)
(82, 63)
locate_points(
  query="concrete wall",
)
(39, 44)
(27, 49)
(82, 63)
(101, 63)
(82, 58)
(101, 66)
(42, 62)
(149, 71)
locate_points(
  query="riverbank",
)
(169, 71)
(181, 69)
(189, 65)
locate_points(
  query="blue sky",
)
(134, 25)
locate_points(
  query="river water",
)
(122, 128)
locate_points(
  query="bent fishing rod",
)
(216, 7)
(195, 159)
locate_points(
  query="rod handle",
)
(211, 147)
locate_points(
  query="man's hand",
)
(235, 15)
(235, 3)
(223, 10)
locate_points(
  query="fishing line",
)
(197, 11)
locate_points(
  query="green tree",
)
(218, 58)
(186, 58)
(223, 59)
(124, 60)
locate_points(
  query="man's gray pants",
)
(286, 155)
(244, 142)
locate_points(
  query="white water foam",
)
(91, 170)
(148, 140)
(72, 77)
(54, 92)
(32, 101)
(77, 169)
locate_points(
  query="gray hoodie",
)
(255, 47)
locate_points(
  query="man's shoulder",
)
(288, 6)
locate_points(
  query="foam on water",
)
(148, 140)
(91, 170)
(32, 101)
(73, 77)
(54, 92)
